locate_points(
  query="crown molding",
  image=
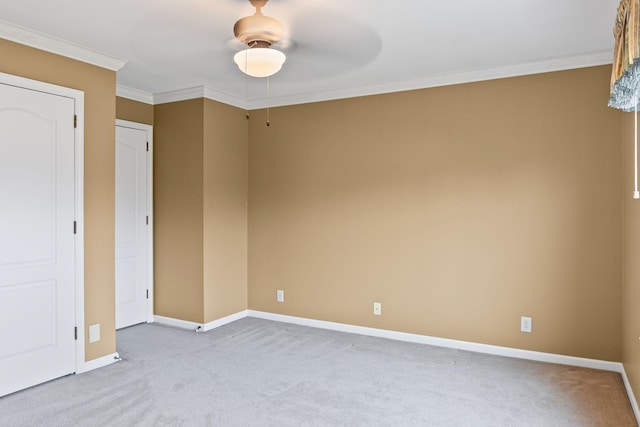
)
(134, 94)
(225, 98)
(38, 40)
(198, 92)
(178, 95)
(538, 67)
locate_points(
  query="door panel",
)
(41, 298)
(37, 282)
(29, 220)
(131, 226)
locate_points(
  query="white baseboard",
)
(444, 342)
(177, 323)
(98, 363)
(200, 327)
(632, 398)
(224, 320)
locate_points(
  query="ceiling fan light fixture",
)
(259, 61)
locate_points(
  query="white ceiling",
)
(334, 48)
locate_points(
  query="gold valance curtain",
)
(625, 76)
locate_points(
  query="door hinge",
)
(75, 227)
(75, 121)
(147, 219)
(147, 293)
(147, 146)
(75, 333)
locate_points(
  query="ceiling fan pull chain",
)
(246, 85)
(268, 99)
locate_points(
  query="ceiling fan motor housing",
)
(258, 27)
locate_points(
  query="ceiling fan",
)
(316, 40)
(315, 53)
(259, 33)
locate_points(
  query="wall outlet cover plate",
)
(525, 324)
(94, 333)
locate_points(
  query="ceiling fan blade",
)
(331, 42)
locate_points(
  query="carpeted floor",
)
(256, 372)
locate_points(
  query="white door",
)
(132, 290)
(37, 282)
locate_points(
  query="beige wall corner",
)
(98, 85)
(631, 265)
(178, 210)
(225, 210)
(459, 208)
(134, 111)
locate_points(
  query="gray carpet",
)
(260, 373)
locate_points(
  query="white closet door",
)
(37, 288)
(131, 226)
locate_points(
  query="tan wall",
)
(178, 204)
(134, 111)
(459, 208)
(225, 210)
(200, 208)
(98, 85)
(631, 266)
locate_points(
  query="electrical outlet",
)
(525, 324)
(280, 295)
(377, 308)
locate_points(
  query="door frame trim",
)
(150, 257)
(78, 97)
